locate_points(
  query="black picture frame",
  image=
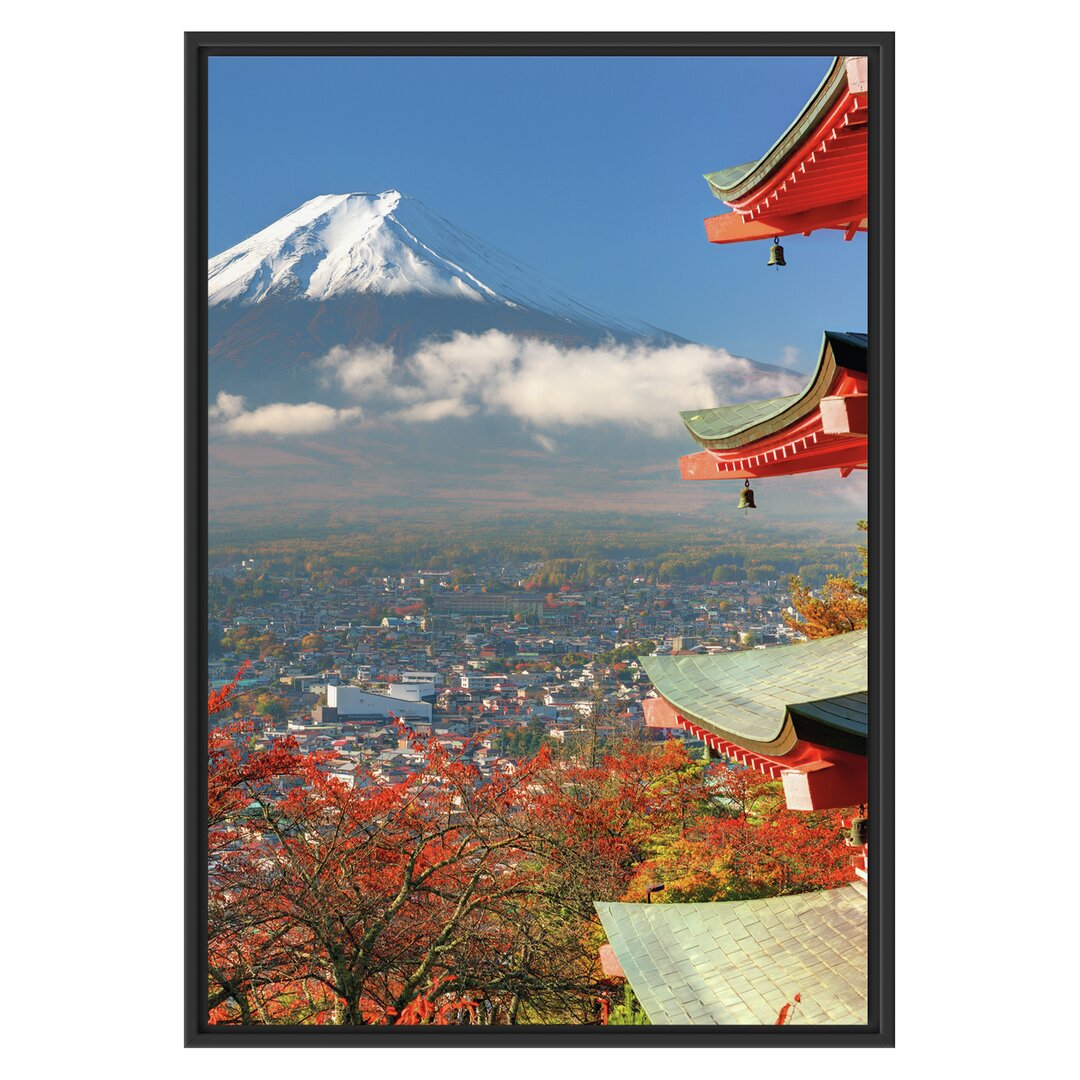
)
(880, 49)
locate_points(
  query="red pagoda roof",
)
(813, 177)
(822, 427)
(797, 713)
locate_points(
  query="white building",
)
(411, 691)
(432, 677)
(480, 682)
(351, 701)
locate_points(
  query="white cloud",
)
(359, 371)
(227, 406)
(549, 386)
(230, 416)
(789, 356)
(439, 409)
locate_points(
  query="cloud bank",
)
(548, 386)
(230, 416)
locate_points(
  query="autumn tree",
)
(436, 899)
(244, 641)
(368, 895)
(445, 898)
(270, 704)
(839, 606)
(747, 846)
(347, 903)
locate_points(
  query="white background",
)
(986, 362)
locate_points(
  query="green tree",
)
(630, 1011)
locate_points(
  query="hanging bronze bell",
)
(776, 255)
(746, 498)
(860, 831)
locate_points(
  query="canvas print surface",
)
(537, 576)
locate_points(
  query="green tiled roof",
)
(741, 961)
(757, 698)
(730, 419)
(731, 183)
(848, 712)
(725, 179)
(730, 426)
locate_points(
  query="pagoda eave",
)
(849, 218)
(845, 454)
(815, 777)
(826, 427)
(815, 175)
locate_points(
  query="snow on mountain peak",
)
(386, 243)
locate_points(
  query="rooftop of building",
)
(759, 698)
(736, 180)
(730, 426)
(742, 961)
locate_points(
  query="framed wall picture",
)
(539, 561)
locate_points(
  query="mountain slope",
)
(355, 331)
(393, 245)
(346, 270)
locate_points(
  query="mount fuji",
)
(339, 245)
(366, 355)
(342, 270)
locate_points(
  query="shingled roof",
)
(735, 180)
(730, 426)
(764, 699)
(741, 961)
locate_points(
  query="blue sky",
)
(588, 168)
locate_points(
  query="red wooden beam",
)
(732, 229)
(851, 453)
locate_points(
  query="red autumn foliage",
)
(220, 699)
(754, 848)
(788, 1009)
(363, 902)
(442, 899)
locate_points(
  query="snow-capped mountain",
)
(352, 363)
(355, 270)
(393, 245)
